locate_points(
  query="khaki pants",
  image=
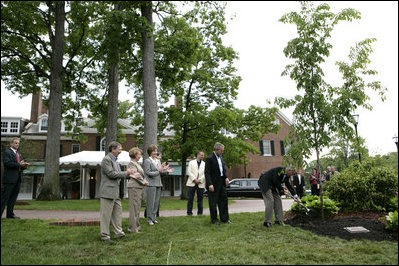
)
(273, 201)
(111, 212)
(135, 197)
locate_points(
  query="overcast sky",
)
(259, 38)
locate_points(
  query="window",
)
(14, 127)
(75, 148)
(4, 126)
(102, 144)
(266, 147)
(177, 183)
(235, 183)
(44, 124)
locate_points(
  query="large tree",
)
(40, 52)
(321, 109)
(197, 71)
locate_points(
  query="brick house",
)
(272, 151)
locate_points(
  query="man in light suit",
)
(12, 178)
(216, 182)
(110, 202)
(196, 183)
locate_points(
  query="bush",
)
(393, 206)
(392, 221)
(363, 186)
(313, 202)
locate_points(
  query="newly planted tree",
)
(321, 109)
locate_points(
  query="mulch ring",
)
(334, 226)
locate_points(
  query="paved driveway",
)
(240, 205)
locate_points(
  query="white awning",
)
(90, 158)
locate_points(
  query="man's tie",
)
(18, 160)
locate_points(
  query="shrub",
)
(392, 221)
(363, 186)
(393, 204)
(313, 202)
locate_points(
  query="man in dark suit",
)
(299, 183)
(270, 185)
(216, 182)
(13, 167)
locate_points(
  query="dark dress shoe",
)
(14, 217)
(279, 223)
(216, 223)
(107, 240)
(267, 224)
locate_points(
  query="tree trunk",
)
(51, 183)
(113, 91)
(149, 88)
(184, 189)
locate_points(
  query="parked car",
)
(244, 187)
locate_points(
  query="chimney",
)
(37, 107)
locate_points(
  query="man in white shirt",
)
(196, 183)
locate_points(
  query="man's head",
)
(14, 143)
(218, 148)
(289, 171)
(328, 168)
(200, 156)
(115, 148)
(333, 169)
(299, 171)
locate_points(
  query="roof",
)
(90, 158)
(285, 119)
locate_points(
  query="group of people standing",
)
(139, 177)
(315, 179)
(144, 182)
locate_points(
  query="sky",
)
(259, 38)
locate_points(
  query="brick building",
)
(272, 151)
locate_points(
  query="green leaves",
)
(322, 110)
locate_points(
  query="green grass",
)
(186, 240)
(169, 203)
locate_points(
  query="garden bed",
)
(334, 226)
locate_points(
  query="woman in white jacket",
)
(196, 183)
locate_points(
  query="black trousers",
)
(9, 195)
(299, 191)
(218, 198)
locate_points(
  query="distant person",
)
(299, 183)
(196, 183)
(333, 172)
(314, 179)
(216, 182)
(328, 174)
(110, 201)
(13, 166)
(271, 188)
(135, 190)
(249, 175)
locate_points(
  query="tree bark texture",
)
(113, 91)
(149, 87)
(51, 188)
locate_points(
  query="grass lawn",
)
(186, 240)
(169, 203)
